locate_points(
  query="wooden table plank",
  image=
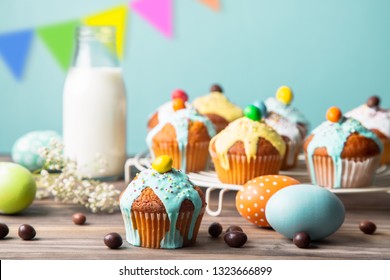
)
(58, 238)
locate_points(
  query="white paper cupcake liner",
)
(355, 172)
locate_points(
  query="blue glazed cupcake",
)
(342, 153)
(184, 136)
(161, 208)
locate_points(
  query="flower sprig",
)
(59, 177)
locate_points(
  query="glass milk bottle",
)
(94, 106)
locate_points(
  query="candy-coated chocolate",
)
(181, 94)
(26, 232)
(215, 229)
(178, 104)
(113, 240)
(373, 102)
(162, 164)
(235, 239)
(252, 112)
(334, 114)
(302, 240)
(4, 230)
(367, 227)
(263, 109)
(284, 94)
(216, 87)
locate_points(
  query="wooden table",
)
(58, 238)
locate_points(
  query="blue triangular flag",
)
(14, 47)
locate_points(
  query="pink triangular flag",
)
(212, 4)
(156, 12)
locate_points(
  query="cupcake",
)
(161, 208)
(217, 108)
(247, 148)
(377, 120)
(291, 136)
(281, 105)
(166, 110)
(342, 153)
(185, 136)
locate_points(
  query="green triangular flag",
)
(59, 39)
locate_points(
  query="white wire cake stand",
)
(209, 179)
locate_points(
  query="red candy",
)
(181, 94)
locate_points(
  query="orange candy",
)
(333, 114)
(178, 104)
(252, 199)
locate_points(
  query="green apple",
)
(17, 188)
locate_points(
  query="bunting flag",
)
(157, 13)
(113, 17)
(212, 4)
(60, 39)
(14, 48)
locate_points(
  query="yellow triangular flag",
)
(114, 17)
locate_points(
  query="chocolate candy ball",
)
(215, 229)
(4, 230)
(235, 239)
(302, 240)
(367, 227)
(234, 228)
(252, 112)
(373, 101)
(26, 232)
(79, 218)
(113, 240)
(217, 88)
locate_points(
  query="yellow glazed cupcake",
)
(377, 120)
(247, 148)
(217, 108)
(161, 208)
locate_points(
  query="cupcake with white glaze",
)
(185, 136)
(342, 153)
(376, 119)
(217, 107)
(281, 105)
(247, 148)
(166, 110)
(161, 208)
(291, 136)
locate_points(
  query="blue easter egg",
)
(25, 151)
(308, 208)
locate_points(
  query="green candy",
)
(252, 112)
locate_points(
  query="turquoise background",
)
(334, 52)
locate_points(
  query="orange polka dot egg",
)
(252, 199)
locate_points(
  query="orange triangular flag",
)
(212, 4)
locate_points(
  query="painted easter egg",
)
(305, 208)
(17, 188)
(25, 151)
(252, 199)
